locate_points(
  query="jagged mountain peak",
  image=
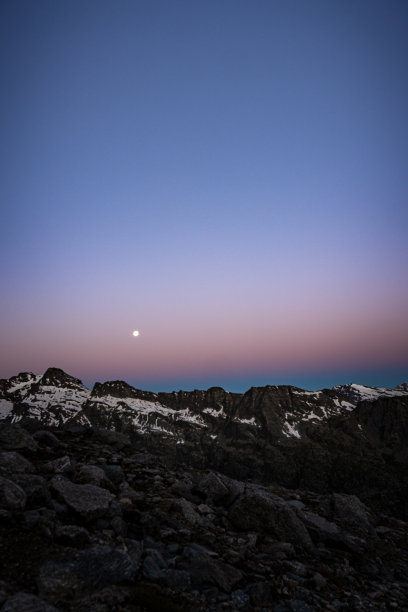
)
(121, 389)
(357, 392)
(58, 378)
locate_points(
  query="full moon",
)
(135, 332)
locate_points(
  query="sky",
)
(228, 177)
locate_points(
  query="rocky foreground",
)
(89, 523)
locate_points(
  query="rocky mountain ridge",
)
(121, 500)
(319, 440)
(57, 398)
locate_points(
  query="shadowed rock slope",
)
(91, 522)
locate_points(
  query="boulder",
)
(84, 572)
(26, 602)
(219, 489)
(187, 511)
(257, 510)
(14, 437)
(213, 488)
(92, 474)
(207, 570)
(72, 535)
(114, 473)
(325, 532)
(35, 488)
(62, 465)
(175, 579)
(87, 500)
(11, 462)
(46, 438)
(12, 497)
(350, 510)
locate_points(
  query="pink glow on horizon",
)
(301, 337)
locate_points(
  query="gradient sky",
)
(229, 177)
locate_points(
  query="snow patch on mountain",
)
(289, 430)
(215, 413)
(360, 393)
(343, 404)
(22, 386)
(142, 413)
(247, 421)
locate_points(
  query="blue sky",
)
(229, 177)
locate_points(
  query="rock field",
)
(90, 523)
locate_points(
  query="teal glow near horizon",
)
(229, 178)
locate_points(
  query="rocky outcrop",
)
(121, 530)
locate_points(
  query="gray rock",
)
(206, 570)
(175, 579)
(25, 602)
(260, 593)
(213, 488)
(296, 568)
(285, 548)
(14, 437)
(35, 488)
(46, 438)
(12, 497)
(151, 569)
(220, 489)
(320, 527)
(157, 557)
(319, 580)
(324, 531)
(186, 509)
(257, 510)
(84, 572)
(135, 552)
(127, 492)
(119, 526)
(87, 500)
(32, 518)
(114, 473)
(12, 462)
(204, 509)
(350, 510)
(72, 535)
(92, 474)
(62, 465)
(239, 598)
(195, 548)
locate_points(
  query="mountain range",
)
(333, 439)
(122, 500)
